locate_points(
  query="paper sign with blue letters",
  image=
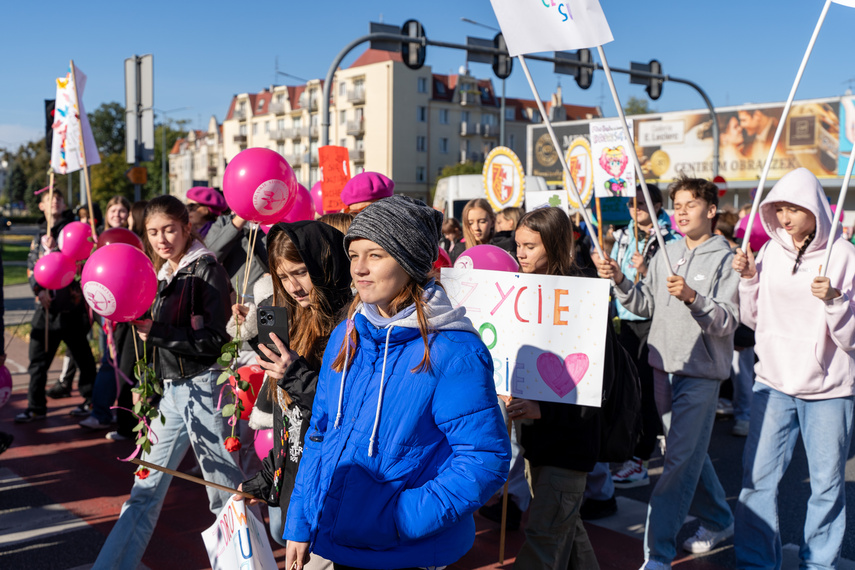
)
(238, 540)
(545, 333)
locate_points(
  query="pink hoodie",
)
(803, 343)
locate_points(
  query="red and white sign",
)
(722, 185)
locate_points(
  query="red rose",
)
(142, 472)
(232, 444)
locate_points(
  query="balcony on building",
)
(489, 131)
(277, 108)
(314, 104)
(357, 155)
(294, 159)
(293, 133)
(212, 170)
(470, 97)
(315, 131)
(279, 135)
(304, 131)
(469, 129)
(471, 156)
(239, 115)
(356, 128)
(240, 139)
(356, 96)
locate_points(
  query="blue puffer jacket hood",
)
(395, 461)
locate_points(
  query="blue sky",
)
(739, 51)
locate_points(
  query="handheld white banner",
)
(546, 333)
(69, 118)
(546, 25)
(238, 540)
(850, 3)
(610, 151)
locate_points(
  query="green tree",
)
(637, 106)
(108, 179)
(108, 128)
(17, 184)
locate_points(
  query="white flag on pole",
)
(68, 120)
(546, 25)
(850, 3)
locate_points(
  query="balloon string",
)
(253, 235)
(148, 427)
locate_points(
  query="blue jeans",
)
(826, 429)
(742, 376)
(518, 488)
(689, 484)
(104, 393)
(192, 419)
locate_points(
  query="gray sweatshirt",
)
(691, 340)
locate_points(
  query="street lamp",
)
(163, 146)
(502, 115)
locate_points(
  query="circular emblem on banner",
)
(581, 165)
(504, 179)
(544, 151)
(270, 196)
(659, 162)
(99, 298)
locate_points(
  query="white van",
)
(453, 192)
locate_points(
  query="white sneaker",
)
(116, 436)
(654, 565)
(632, 474)
(740, 428)
(92, 423)
(705, 539)
(724, 407)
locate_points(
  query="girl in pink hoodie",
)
(805, 334)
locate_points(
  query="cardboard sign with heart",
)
(562, 378)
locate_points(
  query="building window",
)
(510, 113)
(443, 145)
(342, 88)
(422, 82)
(280, 124)
(342, 117)
(443, 116)
(255, 128)
(421, 174)
(266, 126)
(421, 114)
(280, 98)
(298, 122)
(342, 142)
(464, 116)
(488, 119)
(511, 142)
(280, 148)
(242, 130)
(421, 144)
(260, 104)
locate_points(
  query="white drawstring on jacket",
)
(379, 396)
(347, 330)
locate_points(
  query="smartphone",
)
(272, 320)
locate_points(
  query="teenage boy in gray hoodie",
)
(694, 314)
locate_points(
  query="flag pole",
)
(835, 222)
(83, 152)
(561, 157)
(634, 156)
(759, 194)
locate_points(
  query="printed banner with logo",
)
(504, 179)
(546, 333)
(614, 176)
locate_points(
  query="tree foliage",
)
(637, 106)
(108, 128)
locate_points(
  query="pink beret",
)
(367, 186)
(208, 197)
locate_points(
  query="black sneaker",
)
(82, 411)
(494, 513)
(593, 509)
(6, 440)
(59, 390)
(27, 416)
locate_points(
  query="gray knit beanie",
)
(409, 230)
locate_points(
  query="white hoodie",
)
(805, 345)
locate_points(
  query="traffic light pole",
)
(325, 104)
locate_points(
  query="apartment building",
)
(197, 160)
(406, 124)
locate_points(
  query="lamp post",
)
(502, 106)
(163, 146)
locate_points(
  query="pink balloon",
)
(119, 235)
(487, 257)
(119, 282)
(55, 271)
(443, 260)
(76, 241)
(263, 443)
(318, 198)
(758, 233)
(302, 209)
(674, 226)
(5, 385)
(259, 185)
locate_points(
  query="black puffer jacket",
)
(190, 313)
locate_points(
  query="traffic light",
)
(413, 53)
(503, 64)
(653, 85)
(584, 75)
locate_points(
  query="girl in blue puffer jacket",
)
(406, 439)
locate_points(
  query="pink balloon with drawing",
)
(55, 270)
(303, 207)
(119, 282)
(487, 257)
(259, 185)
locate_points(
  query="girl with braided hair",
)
(805, 341)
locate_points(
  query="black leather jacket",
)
(190, 314)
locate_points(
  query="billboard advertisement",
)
(818, 135)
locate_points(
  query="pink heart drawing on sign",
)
(562, 379)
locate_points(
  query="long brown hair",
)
(411, 294)
(555, 231)
(308, 327)
(467, 233)
(174, 209)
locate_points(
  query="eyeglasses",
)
(193, 206)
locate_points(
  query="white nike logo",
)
(700, 277)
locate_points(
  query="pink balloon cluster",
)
(259, 185)
(119, 282)
(263, 443)
(56, 270)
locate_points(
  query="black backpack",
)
(620, 413)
